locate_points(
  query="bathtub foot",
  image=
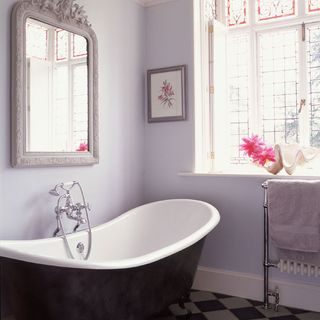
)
(183, 306)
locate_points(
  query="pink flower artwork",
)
(166, 94)
(83, 147)
(257, 150)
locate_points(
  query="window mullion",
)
(220, 10)
(301, 7)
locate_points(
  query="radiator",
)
(295, 267)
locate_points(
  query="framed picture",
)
(167, 94)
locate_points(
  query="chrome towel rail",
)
(267, 293)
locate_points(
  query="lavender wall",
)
(170, 150)
(236, 244)
(114, 185)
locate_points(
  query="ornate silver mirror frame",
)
(64, 14)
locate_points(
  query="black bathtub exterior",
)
(39, 292)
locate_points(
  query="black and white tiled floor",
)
(214, 306)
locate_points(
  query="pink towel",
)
(294, 214)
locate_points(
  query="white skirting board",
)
(296, 295)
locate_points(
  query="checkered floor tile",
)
(214, 306)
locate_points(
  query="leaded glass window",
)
(278, 73)
(313, 63)
(272, 9)
(273, 76)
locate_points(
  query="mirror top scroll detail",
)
(54, 80)
(56, 89)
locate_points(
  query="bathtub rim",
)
(8, 248)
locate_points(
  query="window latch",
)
(211, 155)
(302, 104)
(303, 32)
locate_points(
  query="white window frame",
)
(204, 141)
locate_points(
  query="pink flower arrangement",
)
(257, 150)
(82, 147)
(167, 94)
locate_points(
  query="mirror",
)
(57, 89)
(54, 107)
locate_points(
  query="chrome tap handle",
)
(83, 206)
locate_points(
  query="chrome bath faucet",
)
(73, 211)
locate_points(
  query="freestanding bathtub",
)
(140, 263)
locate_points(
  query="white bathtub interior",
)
(139, 236)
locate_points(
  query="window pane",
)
(313, 6)
(62, 45)
(80, 105)
(273, 9)
(278, 73)
(313, 63)
(236, 12)
(36, 41)
(61, 109)
(79, 48)
(238, 83)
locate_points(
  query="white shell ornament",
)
(289, 156)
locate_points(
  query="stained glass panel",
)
(62, 39)
(236, 12)
(79, 46)
(36, 41)
(313, 6)
(278, 73)
(273, 9)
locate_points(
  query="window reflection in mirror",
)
(57, 89)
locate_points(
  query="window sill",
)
(261, 173)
